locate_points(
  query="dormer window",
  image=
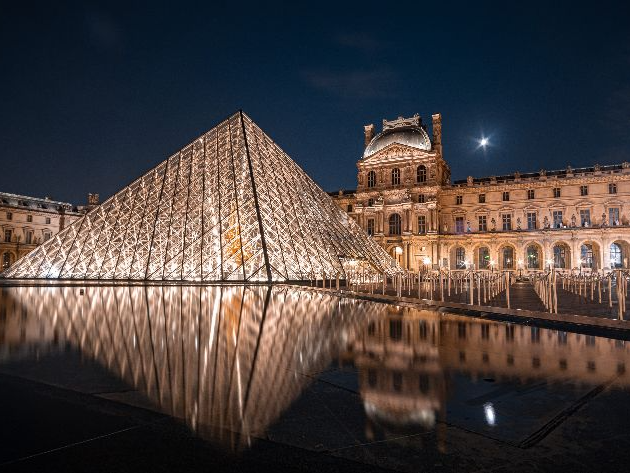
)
(395, 177)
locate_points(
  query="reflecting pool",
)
(310, 368)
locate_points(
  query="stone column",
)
(404, 255)
(605, 250)
(576, 255)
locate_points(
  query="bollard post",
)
(507, 288)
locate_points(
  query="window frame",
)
(421, 174)
(395, 176)
(422, 224)
(371, 178)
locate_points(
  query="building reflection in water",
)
(230, 360)
(225, 359)
(407, 361)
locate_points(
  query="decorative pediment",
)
(394, 150)
(613, 203)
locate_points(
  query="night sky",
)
(94, 95)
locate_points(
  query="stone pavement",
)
(524, 297)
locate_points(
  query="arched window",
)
(484, 258)
(371, 180)
(532, 257)
(460, 257)
(6, 260)
(394, 224)
(616, 258)
(560, 256)
(421, 174)
(395, 176)
(586, 252)
(508, 257)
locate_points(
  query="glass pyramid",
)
(230, 206)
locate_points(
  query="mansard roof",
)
(404, 131)
(568, 172)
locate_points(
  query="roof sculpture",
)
(230, 206)
(405, 131)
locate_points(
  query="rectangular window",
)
(506, 196)
(422, 224)
(530, 194)
(612, 188)
(29, 237)
(585, 217)
(556, 192)
(613, 216)
(47, 236)
(29, 218)
(47, 220)
(583, 190)
(482, 198)
(531, 221)
(507, 222)
(557, 218)
(483, 223)
(370, 226)
(459, 199)
(421, 198)
(349, 207)
(9, 216)
(459, 224)
(7, 236)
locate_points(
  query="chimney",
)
(437, 132)
(369, 134)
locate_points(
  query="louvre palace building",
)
(573, 218)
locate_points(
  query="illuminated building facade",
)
(570, 218)
(26, 222)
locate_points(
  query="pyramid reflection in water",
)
(231, 206)
(227, 360)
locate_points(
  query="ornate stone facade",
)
(26, 222)
(575, 218)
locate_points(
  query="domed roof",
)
(413, 136)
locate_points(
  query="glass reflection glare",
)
(488, 410)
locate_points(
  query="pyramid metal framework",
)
(230, 206)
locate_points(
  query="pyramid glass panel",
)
(230, 206)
